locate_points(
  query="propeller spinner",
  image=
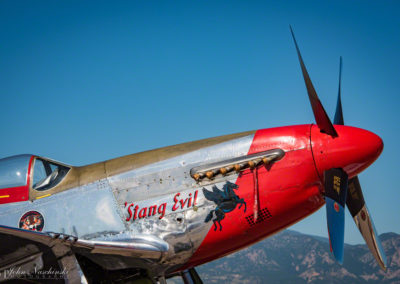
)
(341, 153)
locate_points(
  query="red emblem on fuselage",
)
(32, 221)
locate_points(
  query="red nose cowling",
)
(353, 150)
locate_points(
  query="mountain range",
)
(292, 257)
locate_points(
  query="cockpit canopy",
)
(22, 173)
(14, 171)
(47, 174)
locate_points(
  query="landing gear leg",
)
(162, 280)
(190, 276)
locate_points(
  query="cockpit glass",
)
(14, 171)
(47, 174)
(39, 172)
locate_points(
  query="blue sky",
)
(82, 82)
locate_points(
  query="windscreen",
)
(47, 174)
(14, 171)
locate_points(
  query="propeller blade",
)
(335, 198)
(322, 119)
(339, 113)
(356, 204)
(355, 200)
(191, 276)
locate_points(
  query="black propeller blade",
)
(361, 216)
(339, 113)
(322, 119)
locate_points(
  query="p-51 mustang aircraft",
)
(149, 216)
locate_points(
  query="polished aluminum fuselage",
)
(162, 200)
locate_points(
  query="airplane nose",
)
(353, 150)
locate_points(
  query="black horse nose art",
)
(226, 201)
